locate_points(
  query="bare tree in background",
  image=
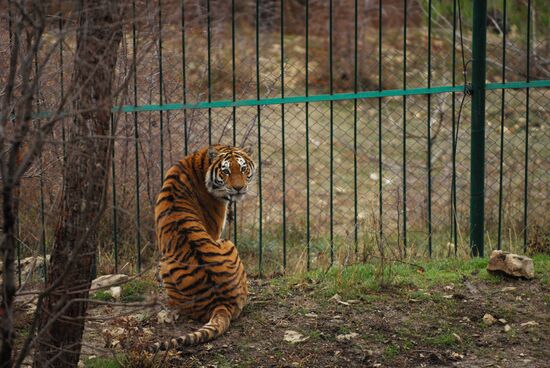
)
(84, 188)
(17, 96)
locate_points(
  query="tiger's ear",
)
(212, 153)
(249, 150)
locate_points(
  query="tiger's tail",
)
(218, 324)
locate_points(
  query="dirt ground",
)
(441, 326)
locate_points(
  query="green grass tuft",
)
(443, 340)
(135, 290)
(102, 363)
(391, 352)
(103, 295)
(356, 281)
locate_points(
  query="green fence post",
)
(477, 159)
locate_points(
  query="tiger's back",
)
(203, 275)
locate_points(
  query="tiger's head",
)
(230, 172)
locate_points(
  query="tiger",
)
(202, 274)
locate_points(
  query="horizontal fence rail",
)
(358, 115)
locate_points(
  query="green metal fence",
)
(377, 127)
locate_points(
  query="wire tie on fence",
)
(468, 91)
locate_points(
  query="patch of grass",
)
(343, 330)
(103, 295)
(443, 340)
(222, 361)
(136, 289)
(315, 335)
(360, 281)
(357, 281)
(102, 362)
(132, 291)
(391, 352)
(420, 295)
(542, 267)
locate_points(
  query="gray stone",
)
(511, 264)
(489, 320)
(108, 280)
(30, 266)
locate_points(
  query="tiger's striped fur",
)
(202, 274)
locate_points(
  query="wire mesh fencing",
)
(356, 113)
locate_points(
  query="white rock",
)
(511, 264)
(503, 321)
(115, 292)
(294, 337)
(457, 356)
(108, 280)
(31, 264)
(508, 288)
(28, 265)
(507, 328)
(489, 320)
(529, 324)
(165, 316)
(311, 315)
(457, 337)
(347, 337)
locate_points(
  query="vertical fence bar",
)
(331, 91)
(308, 228)
(502, 102)
(283, 128)
(477, 158)
(136, 140)
(405, 13)
(527, 91)
(355, 89)
(41, 182)
(61, 80)
(429, 129)
(43, 220)
(234, 112)
(184, 78)
(453, 234)
(18, 250)
(258, 111)
(161, 91)
(380, 203)
(209, 70)
(113, 189)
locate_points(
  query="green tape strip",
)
(515, 85)
(326, 97)
(291, 99)
(315, 98)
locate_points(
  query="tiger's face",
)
(230, 172)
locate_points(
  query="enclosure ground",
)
(409, 315)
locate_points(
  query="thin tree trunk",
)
(17, 99)
(85, 181)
